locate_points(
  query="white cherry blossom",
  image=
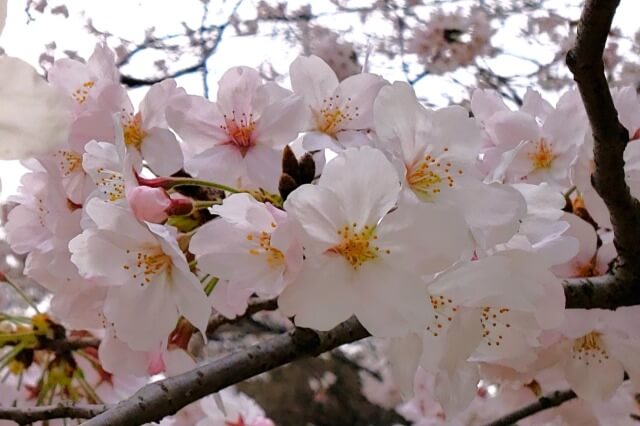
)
(364, 256)
(339, 114)
(151, 284)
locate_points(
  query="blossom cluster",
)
(445, 233)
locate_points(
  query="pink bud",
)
(149, 204)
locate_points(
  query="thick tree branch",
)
(545, 402)
(604, 292)
(610, 137)
(157, 400)
(25, 415)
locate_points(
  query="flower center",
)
(428, 177)
(542, 157)
(443, 313)
(332, 116)
(274, 257)
(68, 162)
(240, 131)
(494, 325)
(356, 247)
(111, 184)
(133, 133)
(147, 264)
(589, 348)
(81, 93)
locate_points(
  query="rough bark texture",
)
(160, 399)
(610, 137)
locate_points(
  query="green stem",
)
(208, 288)
(9, 356)
(21, 293)
(198, 182)
(200, 205)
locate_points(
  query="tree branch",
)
(610, 137)
(26, 415)
(157, 400)
(543, 403)
(604, 292)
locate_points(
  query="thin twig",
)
(543, 403)
(27, 415)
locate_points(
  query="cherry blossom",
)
(530, 151)
(251, 247)
(237, 141)
(356, 248)
(85, 82)
(151, 284)
(602, 347)
(438, 150)
(339, 113)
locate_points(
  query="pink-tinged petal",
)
(225, 252)
(319, 214)
(158, 98)
(118, 219)
(98, 255)
(591, 379)
(396, 111)
(315, 141)
(198, 122)
(281, 122)
(492, 277)
(493, 212)
(191, 300)
(161, 150)
(178, 361)
(508, 129)
(352, 138)
(582, 263)
(244, 211)
(403, 354)
(485, 103)
(628, 107)
(237, 90)
(410, 232)
(80, 310)
(264, 168)
(390, 302)
(35, 117)
(320, 298)
(118, 358)
(456, 389)
(355, 96)
(230, 300)
(365, 182)
(312, 78)
(535, 105)
(142, 315)
(450, 345)
(222, 164)
(625, 351)
(579, 322)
